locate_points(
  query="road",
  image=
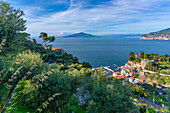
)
(149, 102)
(155, 73)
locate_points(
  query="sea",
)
(108, 51)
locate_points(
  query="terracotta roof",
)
(55, 49)
(139, 81)
(130, 68)
(117, 73)
(131, 78)
(122, 76)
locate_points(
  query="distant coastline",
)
(98, 37)
(86, 35)
(160, 35)
(153, 38)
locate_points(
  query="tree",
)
(11, 22)
(34, 41)
(46, 40)
(151, 55)
(131, 53)
(141, 54)
(131, 56)
(145, 56)
(86, 65)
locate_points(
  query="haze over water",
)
(107, 51)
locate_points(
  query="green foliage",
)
(34, 41)
(49, 84)
(59, 57)
(151, 56)
(145, 56)
(86, 65)
(1, 65)
(139, 91)
(2, 48)
(150, 110)
(135, 75)
(109, 98)
(131, 53)
(78, 69)
(11, 23)
(142, 108)
(138, 60)
(131, 56)
(27, 65)
(29, 59)
(141, 55)
(152, 66)
(20, 109)
(168, 97)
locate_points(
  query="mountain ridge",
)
(80, 35)
(86, 35)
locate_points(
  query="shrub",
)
(29, 59)
(150, 110)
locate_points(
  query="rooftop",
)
(56, 49)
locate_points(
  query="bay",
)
(108, 51)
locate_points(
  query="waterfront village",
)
(128, 72)
(145, 71)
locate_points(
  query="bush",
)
(142, 108)
(135, 75)
(31, 61)
(150, 110)
(28, 59)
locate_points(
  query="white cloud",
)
(117, 16)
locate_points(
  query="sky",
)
(98, 17)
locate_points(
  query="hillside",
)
(80, 35)
(159, 35)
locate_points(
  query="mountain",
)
(80, 35)
(159, 35)
(85, 35)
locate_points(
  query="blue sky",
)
(99, 17)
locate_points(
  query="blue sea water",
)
(108, 51)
